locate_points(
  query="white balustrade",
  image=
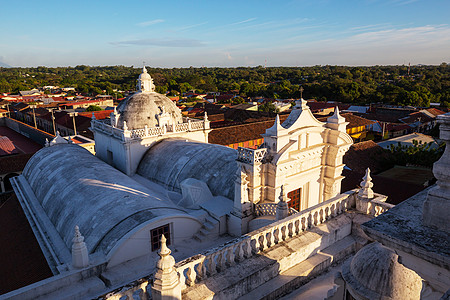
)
(207, 264)
(188, 125)
(377, 207)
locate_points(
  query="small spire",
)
(282, 198)
(282, 209)
(93, 116)
(205, 117)
(80, 256)
(125, 127)
(366, 186)
(166, 281)
(164, 249)
(70, 140)
(276, 127)
(47, 144)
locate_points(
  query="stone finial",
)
(276, 127)
(80, 256)
(166, 282)
(145, 82)
(205, 117)
(282, 210)
(366, 186)
(125, 127)
(93, 116)
(70, 140)
(58, 139)
(47, 144)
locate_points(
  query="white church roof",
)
(171, 161)
(76, 188)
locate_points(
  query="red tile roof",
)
(99, 115)
(7, 147)
(435, 111)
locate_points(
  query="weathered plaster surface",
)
(171, 161)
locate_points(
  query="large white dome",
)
(144, 108)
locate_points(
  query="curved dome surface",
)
(142, 108)
(76, 188)
(171, 161)
(375, 273)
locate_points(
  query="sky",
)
(227, 33)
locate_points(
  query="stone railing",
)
(270, 209)
(374, 206)
(202, 266)
(182, 127)
(189, 125)
(139, 289)
(197, 125)
(251, 156)
(377, 207)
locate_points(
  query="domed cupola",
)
(147, 108)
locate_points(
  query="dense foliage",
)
(418, 154)
(387, 84)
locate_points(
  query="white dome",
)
(376, 273)
(143, 108)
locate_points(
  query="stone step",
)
(303, 272)
(250, 274)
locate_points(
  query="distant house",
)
(408, 140)
(357, 128)
(246, 106)
(33, 92)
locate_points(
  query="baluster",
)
(255, 245)
(327, 213)
(271, 237)
(221, 261)
(284, 233)
(304, 224)
(230, 255)
(247, 248)
(200, 270)
(239, 252)
(211, 265)
(291, 228)
(333, 210)
(309, 221)
(297, 227)
(262, 242)
(190, 276)
(321, 217)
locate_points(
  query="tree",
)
(268, 107)
(93, 108)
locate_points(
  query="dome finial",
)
(145, 82)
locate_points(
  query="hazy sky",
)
(224, 33)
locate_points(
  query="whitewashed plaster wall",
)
(138, 241)
(128, 154)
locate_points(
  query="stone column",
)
(437, 205)
(80, 256)
(166, 283)
(242, 208)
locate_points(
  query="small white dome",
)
(376, 273)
